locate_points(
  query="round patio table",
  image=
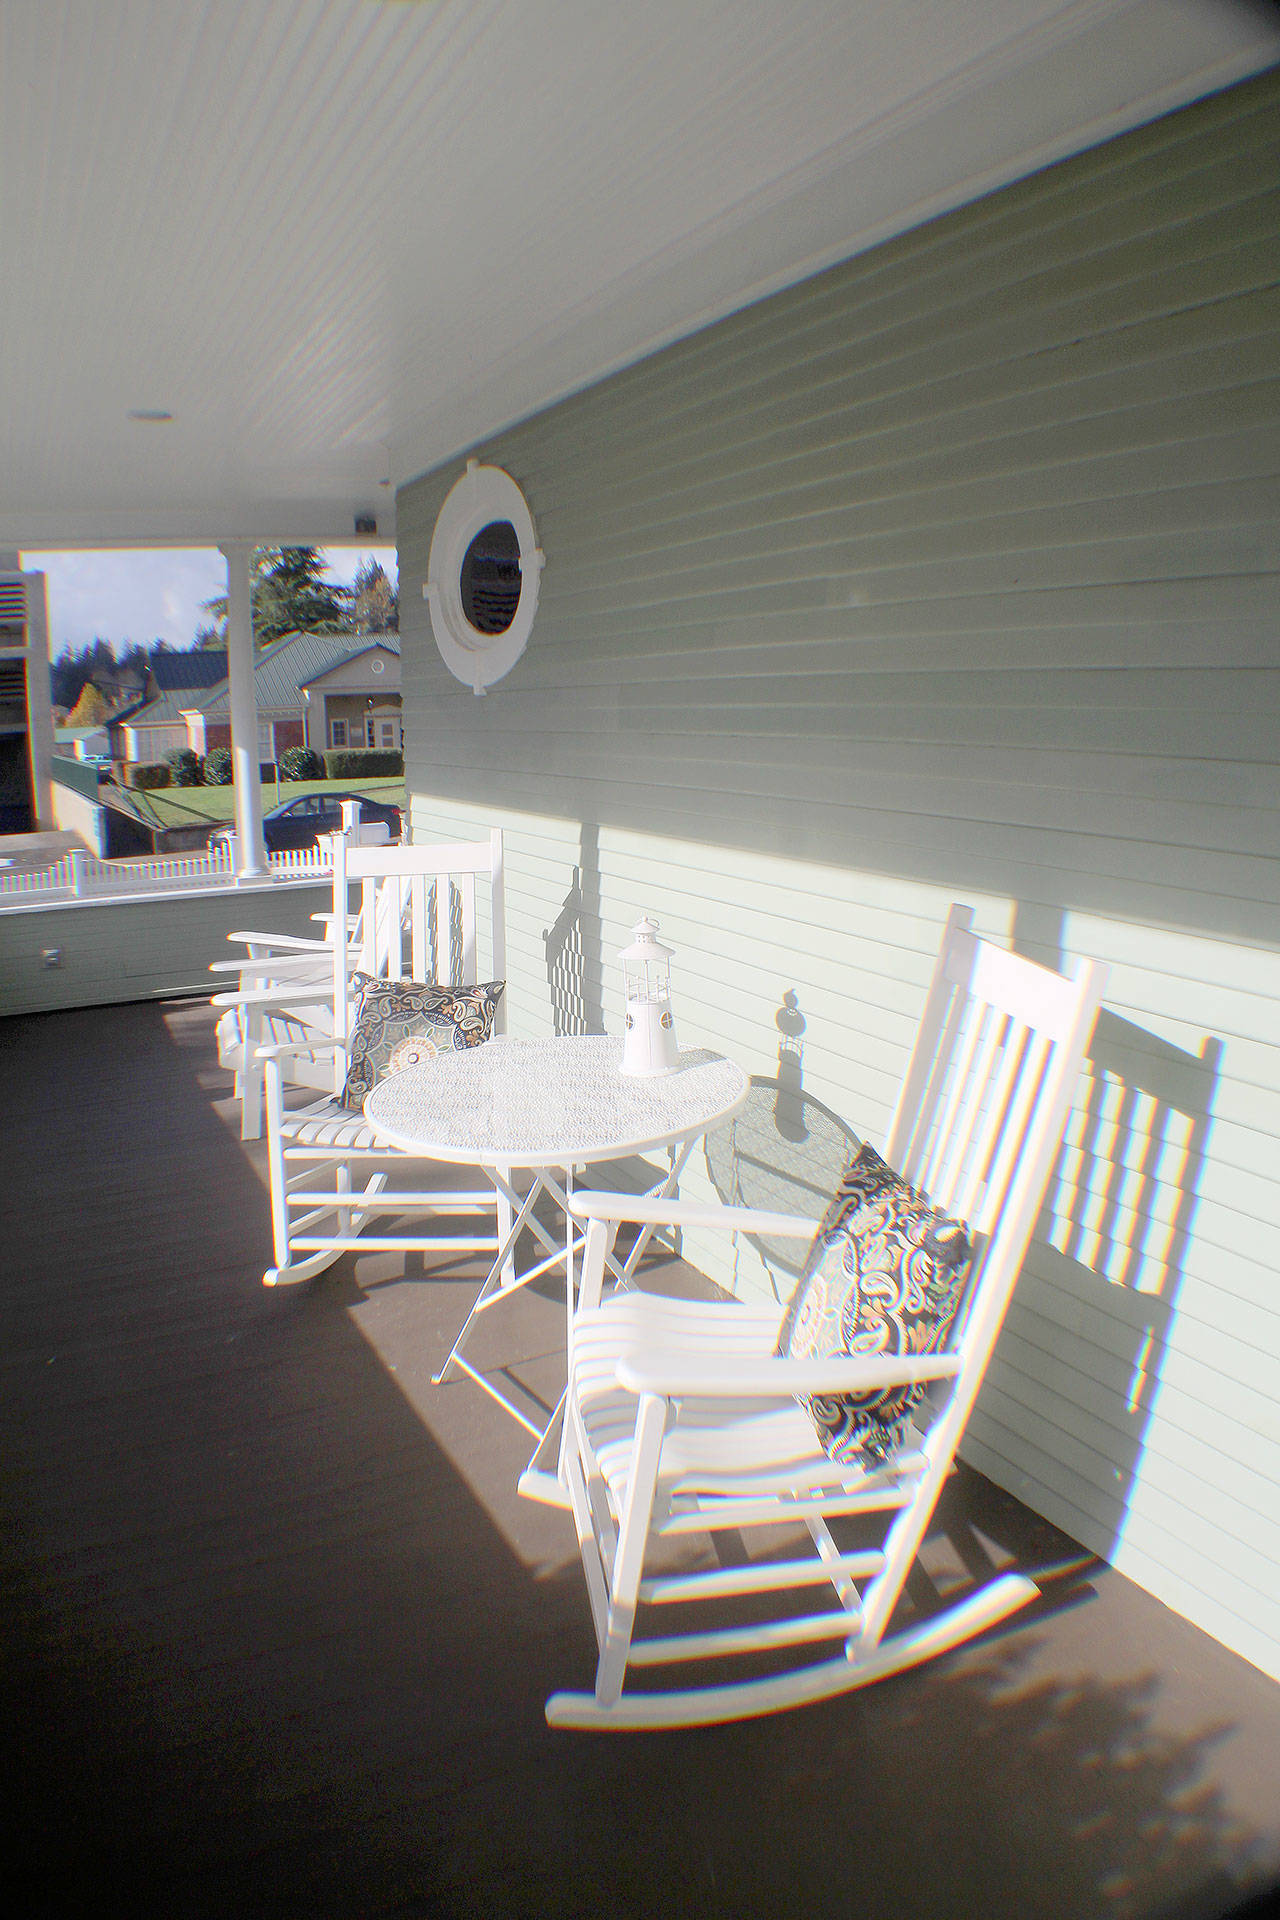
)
(545, 1109)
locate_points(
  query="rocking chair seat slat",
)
(325, 1123)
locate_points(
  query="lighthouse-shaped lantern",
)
(649, 1046)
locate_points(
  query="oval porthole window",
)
(482, 576)
(491, 578)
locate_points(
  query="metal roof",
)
(166, 709)
(198, 667)
(284, 668)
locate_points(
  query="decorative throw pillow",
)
(401, 1022)
(885, 1274)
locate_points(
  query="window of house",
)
(369, 736)
(388, 731)
(337, 733)
(483, 576)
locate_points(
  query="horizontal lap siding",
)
(952, 573)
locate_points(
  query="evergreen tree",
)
(289, 594)
(137, 656)
(75, 667)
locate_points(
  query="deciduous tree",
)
(91, 709)
(373, 605)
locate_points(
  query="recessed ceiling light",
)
(149, 413)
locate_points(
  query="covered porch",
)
(279, 1630)
(835, 628)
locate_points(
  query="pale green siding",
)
(953, 574)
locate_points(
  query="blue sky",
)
(154, 593)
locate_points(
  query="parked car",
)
(300, 823)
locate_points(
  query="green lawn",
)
(185, 806)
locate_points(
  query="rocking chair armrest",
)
(285, 942)
(301, 994)
(729, 1376)
(288, 966)
(286, 1049)
(689, 1213)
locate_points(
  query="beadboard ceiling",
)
(341, 240)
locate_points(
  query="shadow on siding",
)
(1110, 1251)
(572, 943)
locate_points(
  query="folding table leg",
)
(667, 1189)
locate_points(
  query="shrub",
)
(184, 766)
(363, 763)
(216, 770)
(301, 763)
(148, 773)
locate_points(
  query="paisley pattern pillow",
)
(401, 1022)
(885, 1274)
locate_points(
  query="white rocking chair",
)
(329, 1176)
(267, 1007)
(682, 1420)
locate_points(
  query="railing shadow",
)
(572, 947)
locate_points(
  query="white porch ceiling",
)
(341, 240)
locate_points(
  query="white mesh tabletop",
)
(549, 1103)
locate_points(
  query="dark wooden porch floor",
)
(278, 1631)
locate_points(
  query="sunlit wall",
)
(951, 574)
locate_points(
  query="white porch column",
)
(252, 859)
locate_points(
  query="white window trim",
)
(481, 495)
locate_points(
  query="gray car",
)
(300, 823)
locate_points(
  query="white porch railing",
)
(79, 875)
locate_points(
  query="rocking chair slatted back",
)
(417, 915)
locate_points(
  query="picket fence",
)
(79, 875)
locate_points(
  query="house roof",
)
(183, 672)
(180, 679)
(289, 664)
(524, 196)
(166, 709)
(378, 643)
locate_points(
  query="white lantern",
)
(649, 1046)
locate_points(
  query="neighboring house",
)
(26, 721)
(356, 702)
(154, 726)
(953, 573)
(82, 743)
(121, 685)
(312, 689)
